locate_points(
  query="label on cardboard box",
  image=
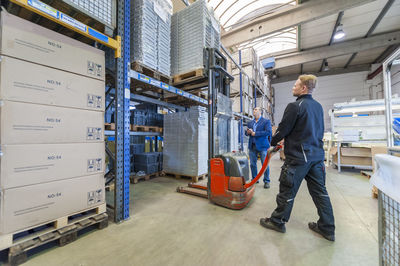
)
(26, 123)
(22, 165)
(45, 85)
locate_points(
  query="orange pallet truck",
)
(228, 182)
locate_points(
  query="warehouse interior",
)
(130, 132)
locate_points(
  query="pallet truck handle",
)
(270, 153)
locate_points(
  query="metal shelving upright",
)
(122, 116)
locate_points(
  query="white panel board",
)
(330, 90)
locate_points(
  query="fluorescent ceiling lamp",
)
(340, 34)
(326, 67)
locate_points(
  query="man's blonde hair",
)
(310, 81)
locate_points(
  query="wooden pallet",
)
(146, 128)
(189, 76)
(374, 192)
(135, 179)
(141, 68)
(366, 173)
(63, 230)
(109, 126)
(194, 179)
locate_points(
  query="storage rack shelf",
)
(350, 110)
(122, 95)
(133, 133)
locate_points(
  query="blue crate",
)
(396, 125)
(147, 168)
(147, 158)
(137, 148)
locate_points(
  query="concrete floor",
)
(168, 228)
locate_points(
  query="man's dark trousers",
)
(290, 180)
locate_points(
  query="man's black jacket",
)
(302, 127)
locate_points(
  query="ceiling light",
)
(326, 67)
(339, 34)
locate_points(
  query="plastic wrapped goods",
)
(151, 34)
(185, 148)
(193, 29)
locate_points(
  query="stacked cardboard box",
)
(51, 125)
(360, 156)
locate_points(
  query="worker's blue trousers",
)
(253, 164)
(290, 181)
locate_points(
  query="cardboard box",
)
(353, 156)
(23, 165)
(353, 160)
(28, 41)
(27, 82)
(26, 123)
(377, 150)
(29, 206)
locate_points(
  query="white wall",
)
(376, 88)
(329, 90)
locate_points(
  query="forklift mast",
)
(218, 82)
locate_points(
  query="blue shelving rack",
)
(122, 116)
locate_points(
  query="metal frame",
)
(338, 20)
(341, 107)
(387, 87)
(373, 27)
(241, 103)
(164, 86)
(122, 129)
(388, 215)
(113, 12)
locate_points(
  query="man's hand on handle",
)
(275, 148)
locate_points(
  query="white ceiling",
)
(356, 23)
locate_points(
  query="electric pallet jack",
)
(228, 182)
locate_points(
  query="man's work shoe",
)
(314, 227)
(267, 223)
(266, 185)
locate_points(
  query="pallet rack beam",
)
(133, 133)
(164, 86)
(141, 98)
(59, 17)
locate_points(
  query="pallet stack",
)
(249, 60)
(253, 79)
(186, 142)
(51, 126)
(193, 28)
(151, 34)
